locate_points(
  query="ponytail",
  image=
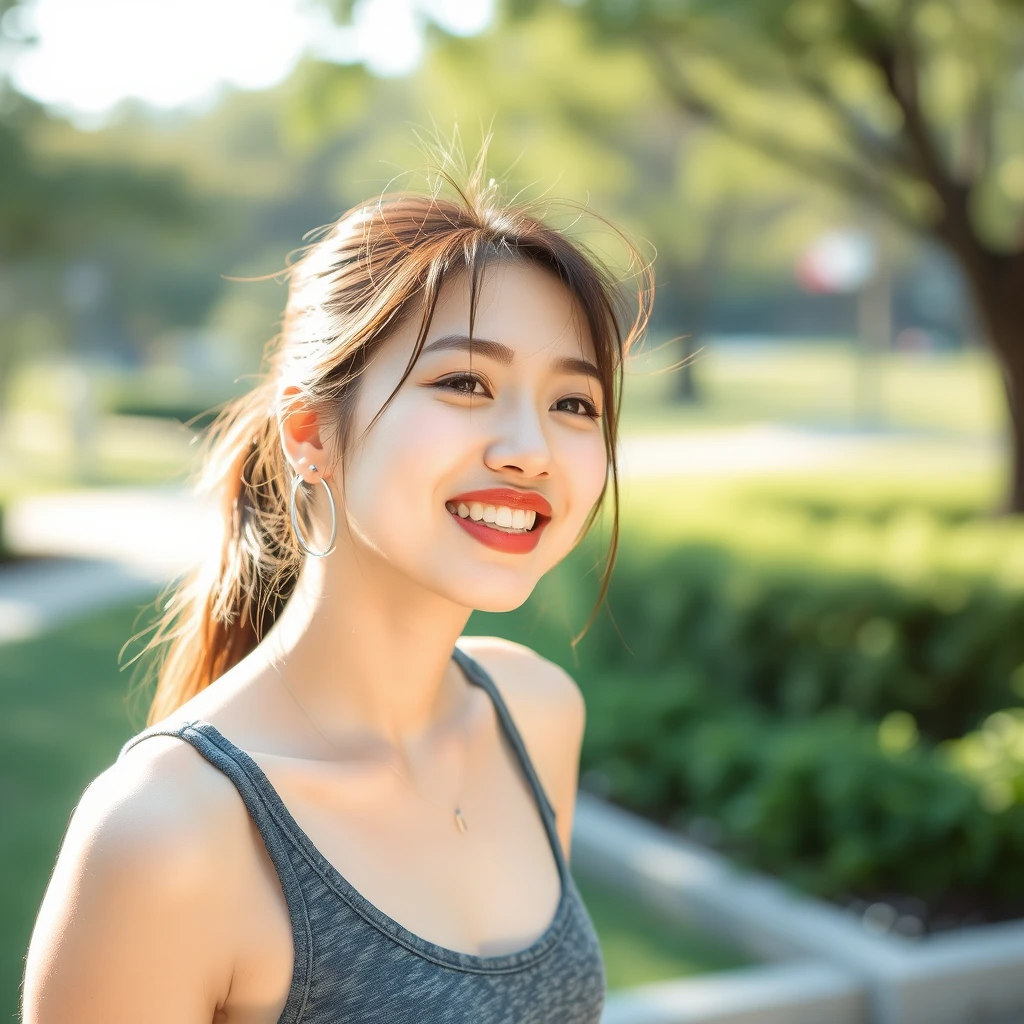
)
(222, 609)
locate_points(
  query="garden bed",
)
(871, 978)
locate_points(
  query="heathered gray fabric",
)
(355, 965)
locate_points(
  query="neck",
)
(372, 658)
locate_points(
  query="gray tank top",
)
(355, 965)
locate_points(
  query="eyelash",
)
(448, 381)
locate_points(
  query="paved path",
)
(101, 546)
(120, 542)
(39, 594)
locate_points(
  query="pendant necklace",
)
(460, 821)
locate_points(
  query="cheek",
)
(398, 473)
(586, 468)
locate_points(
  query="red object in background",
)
(838, 261)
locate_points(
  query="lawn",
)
(820, 384)
(64, 714)
(640, 947)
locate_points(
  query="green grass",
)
(63, 718)
(64, 714)
(640, 947)
(818, 383)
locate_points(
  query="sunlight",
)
(89, 57)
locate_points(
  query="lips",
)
(508, 496)
(512, 542)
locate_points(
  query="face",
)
(520, 413)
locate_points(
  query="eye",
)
(454, 384)
(465, 384)
(587, 407)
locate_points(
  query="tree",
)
(912, 106)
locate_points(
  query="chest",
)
(489, 891)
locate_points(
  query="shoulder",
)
(548, 708)
(529, 682)
(162, 811)
(142, 860)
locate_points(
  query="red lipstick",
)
(516, 543)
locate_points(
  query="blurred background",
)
(812, 656)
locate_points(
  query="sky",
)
(91, 55)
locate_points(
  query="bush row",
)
(794, 642)
(833, 804)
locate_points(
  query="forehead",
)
(520, 305)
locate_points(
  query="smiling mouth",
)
(500, 518)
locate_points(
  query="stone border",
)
(973, 976)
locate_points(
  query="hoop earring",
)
(296, 480)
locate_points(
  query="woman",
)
(343, 810)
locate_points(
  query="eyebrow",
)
(501, 353)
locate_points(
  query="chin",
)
(492, 595)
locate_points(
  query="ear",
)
(300, 438)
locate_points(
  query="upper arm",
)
(127, 930)
(550, 713)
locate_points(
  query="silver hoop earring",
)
(296, 480)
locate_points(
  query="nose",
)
(521, 443)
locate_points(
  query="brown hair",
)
(353, 286)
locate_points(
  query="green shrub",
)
(824, 695)
(795, 641)
(832, 804)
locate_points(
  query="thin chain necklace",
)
(460, 821)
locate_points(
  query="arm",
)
(129, 928)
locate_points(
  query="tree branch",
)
(896, 58)
(898, 157)
(843, 176)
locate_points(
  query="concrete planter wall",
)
(822, 965)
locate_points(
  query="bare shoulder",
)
(548, 708)
(133, 909)
(526, 677)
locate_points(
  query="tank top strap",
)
(481, 677)
(272, 821)
(259, 796)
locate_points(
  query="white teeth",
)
(501, 516)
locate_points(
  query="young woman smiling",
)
(341, 809)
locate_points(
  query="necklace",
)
(460, 821)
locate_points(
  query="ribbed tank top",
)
(353, 964)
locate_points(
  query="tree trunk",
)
(997, 286)
(701, 278)
(1010, 352)
(686, 384)
(1015, 388)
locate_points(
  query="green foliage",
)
(794, 596)
(820, 802)
(893, 101)
(807, 704)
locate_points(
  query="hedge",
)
(833, 804)
(796, 641)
